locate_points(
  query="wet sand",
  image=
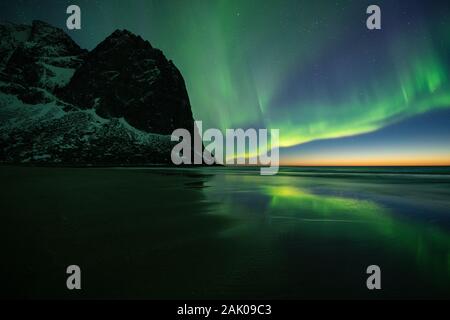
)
(156, 233)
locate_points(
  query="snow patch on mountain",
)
(47, 133)
(56, 77)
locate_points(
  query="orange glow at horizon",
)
(369, 161)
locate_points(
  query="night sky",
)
(339, 93)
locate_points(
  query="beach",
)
(228, 233)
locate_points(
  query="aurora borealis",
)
(339, 93)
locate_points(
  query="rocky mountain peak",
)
(52, 41)
(123, 33)
(41, 38)
(123, 41)
(117, 104)
(35, 60)
(124, 76)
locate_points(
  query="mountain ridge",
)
(61, 104)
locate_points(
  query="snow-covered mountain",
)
(117, 104)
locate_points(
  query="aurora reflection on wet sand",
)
(226, 233)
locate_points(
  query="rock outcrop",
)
(117, 104)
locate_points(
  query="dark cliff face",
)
(117, 104)
(124, 76)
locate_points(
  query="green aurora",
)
(310, 69)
